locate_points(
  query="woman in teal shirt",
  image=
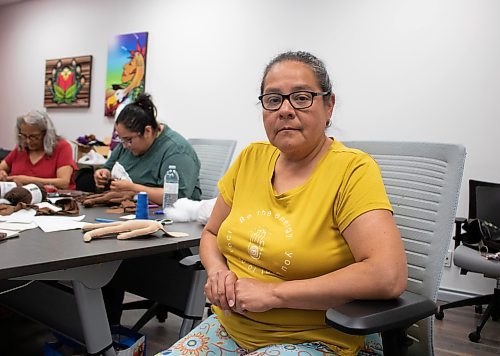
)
(146, 150)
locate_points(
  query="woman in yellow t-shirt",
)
(302, 224)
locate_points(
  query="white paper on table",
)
(10, 233)
(118, 172)
(59, 223)
(53, 200)
(14, 226)
(128, 217)
(21, 216)
(45, 204)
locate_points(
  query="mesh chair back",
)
(215, 157)
(484, 201)
(422, 181)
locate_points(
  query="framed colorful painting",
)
(67, 82)
(126, 72)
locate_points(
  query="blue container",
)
(125, 342)
(141, 211)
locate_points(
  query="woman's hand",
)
(120, 185)
(219, 289)
(254, 296)
(21, 179)
(102, 177)
(3, 175)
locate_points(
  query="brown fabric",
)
(23, 195)
(108, 198)
(7, 209)
(126, 206)
(77, 194)
(69, 207)
(18, 194)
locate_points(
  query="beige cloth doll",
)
(126, 229)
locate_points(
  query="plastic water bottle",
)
(170, 187)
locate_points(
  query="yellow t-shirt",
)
(294, 235)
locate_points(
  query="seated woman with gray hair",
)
(41, 156)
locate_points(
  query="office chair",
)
(215, 157)
(188, 298)
(484, 203)
(3, 153)
(422, 181)
(84, 180)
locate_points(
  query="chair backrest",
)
(484, 201)
(215, 156)
(422, 181)
(3, 153)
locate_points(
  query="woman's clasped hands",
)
(230, 293)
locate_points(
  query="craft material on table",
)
(126, 229)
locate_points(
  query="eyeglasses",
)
(32, 137)
(298, 99)
(127, 140)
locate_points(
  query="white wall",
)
(403, 70)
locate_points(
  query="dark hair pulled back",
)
(316, 65)
(139, 114)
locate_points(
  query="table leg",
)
(94, 320)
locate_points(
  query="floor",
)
(21, 337)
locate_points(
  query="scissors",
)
(165, 221)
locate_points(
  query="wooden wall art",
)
(67, 82)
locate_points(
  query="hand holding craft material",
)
(108, 198)
(126, 229)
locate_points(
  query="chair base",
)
(152, 309)
(492, 310)
(161, 313)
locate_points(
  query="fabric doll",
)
(126, 229)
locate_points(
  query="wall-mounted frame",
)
(67, 82)
(126, 72)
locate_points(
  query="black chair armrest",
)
(389, 317)
(363, 317)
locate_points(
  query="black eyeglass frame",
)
(287, 97)
(128, 141)
(32, 137)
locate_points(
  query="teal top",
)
(148, 169)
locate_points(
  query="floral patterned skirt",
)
(210, 338)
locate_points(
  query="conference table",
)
(78, 311)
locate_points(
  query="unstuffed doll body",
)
(126, 229)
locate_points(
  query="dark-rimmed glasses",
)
(128, 140)
(298, 99)
(32, 137)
